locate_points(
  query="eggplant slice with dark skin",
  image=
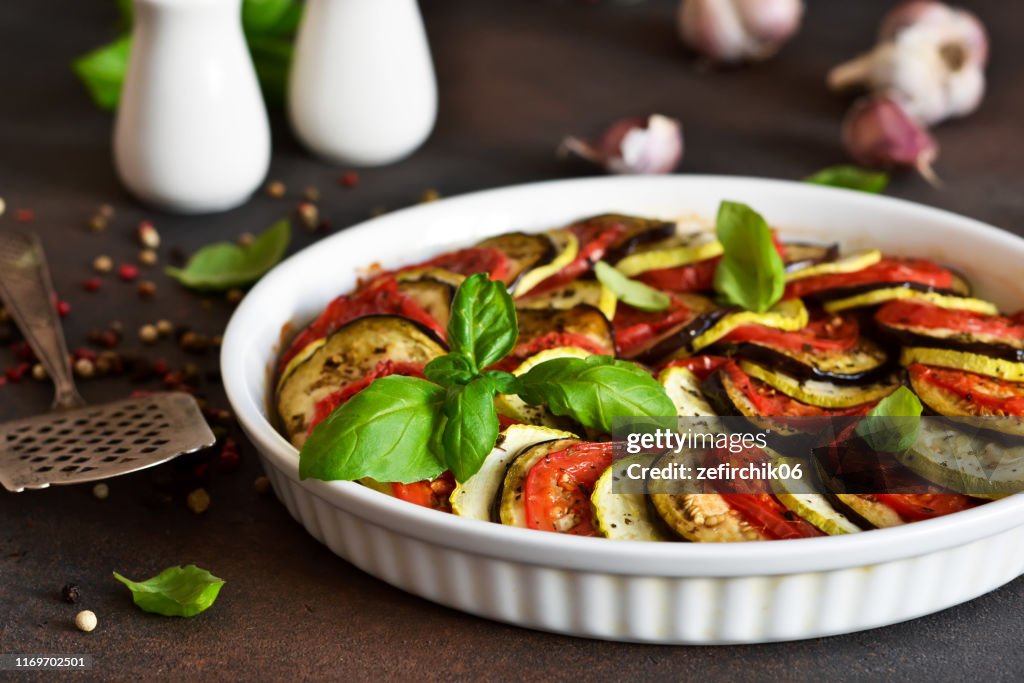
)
(864, 363)
(525, 251)
(896, 322)
(799, 255)
(583, 319)
(432, 295)
(638, 231)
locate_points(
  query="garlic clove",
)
(878, 132)
(972, 33)
(633, 146)
(732, 31)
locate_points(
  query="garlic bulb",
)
(732, 31)
(878, 132)
(634, 145)
(931, 58)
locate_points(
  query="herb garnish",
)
(224, 265)
(629, 291)
(851, 178)
(176, 591)
(892, 425)
(751, 273)
(405, 429)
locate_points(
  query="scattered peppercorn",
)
(147, 234)
(148, 257)
(276, 189)
(311, 194)
(97, 223)
(246, 239)
(85, 368)
(127, 272)
(164, 327)
(63, 308)
(24, 215)
(148, 334)
(102, 264)
(261, 485)
(234, 295)
(101, 491)
(198, 501)
(39, 372)
(147, 289)
(92, 284)
(85, 620)
(429, 195)
(70, 593)
(349, 179)
(308, 214)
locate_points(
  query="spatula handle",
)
(27, 292)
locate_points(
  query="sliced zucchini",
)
(863, 363)
(683, 387)
(512, 509)
(880, 295)
(348, 355)
(814, 508)
(847, 264)
(476, 497)
(433, 296)
(800, 255)
(874, 512)
(625, 516)
(817, 392)
(968, 362)
(964, 463)
(789, 315)
(583, 320)
(299, 358)
(590, 292)
(704, 518)
(516, 408)
(678, 250)
(525, 251)
(956, 407)
(566, 248)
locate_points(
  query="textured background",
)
(514, 76)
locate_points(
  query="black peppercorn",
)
(70, 593)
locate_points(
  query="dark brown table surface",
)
(514, 77)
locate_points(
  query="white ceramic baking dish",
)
(649, 592)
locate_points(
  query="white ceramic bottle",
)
(191, 134)
(362, 89)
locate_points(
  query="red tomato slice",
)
(772, 403)
(914, 507)
(829, 334)
(998, 396)
(595, 241)
(557, 489)
(551, 340)
(381, 297)
(701, 366)
(694, 277)
(634, 328)
(434, 494)
(327, 405)
(773, 519)
(929, 316)
(468, 261)
(894, 270)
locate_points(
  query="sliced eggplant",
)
(433, 296)
(677, 250)
(704, 518)
(942, 400)
(590, 292)
(865, 362)
(512, 509)
(703, 315)
(476, 497)
(525, 251)
(864, 296)
(980, 334)
(516, 408)
(872, 511)
(565, 248)
(625, 516)
(637, 232)
(583, 320)
(968, 362)
(439, 274)
(801, 255)
(846, 264)
(818, 392)
(347, 356)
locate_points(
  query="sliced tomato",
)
(327, 405)
(919, 271)
(468, 261)
(634, 328)
(504, 422)
(693, 277)
(823, 334)
(914, 507)
(595, 240)
(557, 489)
(381, 297)
(701, 366)
(434, 494)
(772, 403)
(998, 396)
(773, 519)
(929, 316)
(551, 340)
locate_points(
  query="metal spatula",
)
(77, 443)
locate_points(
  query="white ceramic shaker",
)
(191, 134)
(362, 89)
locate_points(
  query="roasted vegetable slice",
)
(625, 516)
(677, 250)
(800, 255)
(868, 508)
(873, 296)
(847, 264)
(704, 518)
(961, 360)
(815, 508)
(954, 393)
(923, 324)
(887, 271)
(633, 232)
(348, 355)
(589, 292)
(818, 392)
(683, 387)
(524, 251)
(564, 248)
(516, 408)
(433, 296)
(583, 321)
(637, 332)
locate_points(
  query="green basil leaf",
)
(751, 273)
(449, 370)
(851, 178)
(594, 390)
(102, 71)
(892, 426)
(631, 292)
(503, 382)
(383, 432)
(483, 325)
(225, 265)
(176, 591)
(261, 16)
(470, 426)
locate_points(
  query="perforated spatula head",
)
(78, 443)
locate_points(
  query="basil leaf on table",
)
(383, 432)
(594, 390)
(470, 426)
(892, 426)
(751, 273)
(851, 178)
(483, 326)
(631, 292)
(102, 71)
(176, 591)
(225, 265)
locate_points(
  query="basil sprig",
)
(893, 424)
(631, 292)
(851, 178)
(751, 273)
(224, 265)
(405, 429)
